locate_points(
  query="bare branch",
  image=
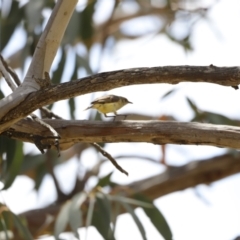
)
(190, 175)
(156, 132)
(109, 157)
(226, 76)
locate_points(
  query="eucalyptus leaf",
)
(156, 218)
(62, 219)
(101, 217)
(105, 181)
(167, 94)
(33, 12)
(136, 219)
(15, 167)
(57, 74)
(71, 101)
(90, 212)
(3, 229)
(23, 230)
(10, 23)
(75, 213)
(192, 105)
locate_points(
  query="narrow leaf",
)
(71, 101)
(10, 23)
(15, 167)
(192, 105)
(21, 228)
(105, 181)
(75, 213)
(101, 217)
(167, 94)
(57, 74)
(3, 228)
(62, 219)
(136, 219)
(90, 213)
(156, 218)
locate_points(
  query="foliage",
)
(97, 207)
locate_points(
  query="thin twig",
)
(47, 113)
(4, 70)
(107, 155)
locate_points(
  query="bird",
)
(109, 103)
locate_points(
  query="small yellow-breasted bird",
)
(108, 104)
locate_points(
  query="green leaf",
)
(90, 213)
(101, 218)
(167, 94)
(7, 146)
(41, 171)
(7, 217)
(136, 219)
(3, 228)
(62, 219)
(156, 218)
(86, 29)
(10, 23)
(23, 230)
(216, 118)
(72, 108)
(71, 101)
(105, 181)
(33, 13)
(192, 105)
(15, 167)
(57, 74)
(1, 93)
(71, 35)
(116, 208)
(75, 213)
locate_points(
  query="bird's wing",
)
(105, 99)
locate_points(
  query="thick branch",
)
(156, 132)
(226, 76)
(173, 179)
(190, 175)
(42, 58)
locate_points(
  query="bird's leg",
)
(114, 117)
(120, 115)
(110, 116)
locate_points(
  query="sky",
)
(216, 215)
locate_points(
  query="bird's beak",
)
(130, 102)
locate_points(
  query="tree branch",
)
(174, 179)
(156, 132)
(226, 76)
(42, 58)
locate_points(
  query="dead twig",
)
(108, 156)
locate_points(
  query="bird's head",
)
(125, 101)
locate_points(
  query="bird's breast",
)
(108, 107)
